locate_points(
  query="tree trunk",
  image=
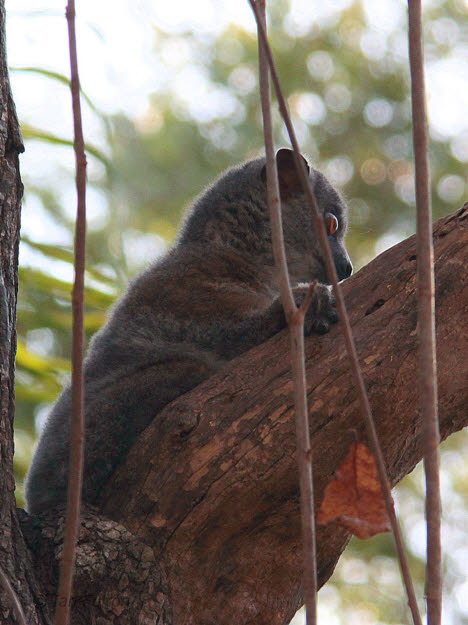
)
(202, 518)
(15, 561)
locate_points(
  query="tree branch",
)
(295, 319)
(366, 410)
(220, 505)
(77, 435)
(15, 602)
(426, 318)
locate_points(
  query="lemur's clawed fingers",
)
(322, 310)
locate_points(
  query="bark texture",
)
(117, 578)
(201, 522)
(212, 483)
(14, 558)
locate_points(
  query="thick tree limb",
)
(212, 485)
(116, 580)
(14, 558)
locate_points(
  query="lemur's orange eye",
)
(331, 222)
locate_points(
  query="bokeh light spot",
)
(320, 65)
(378, 112)
(373, 171)
(450, 188)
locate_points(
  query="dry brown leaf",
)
(354, 497)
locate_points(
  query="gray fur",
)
(213, 296)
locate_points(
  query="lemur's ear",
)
(288, 178)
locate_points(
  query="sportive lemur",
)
(213, 296)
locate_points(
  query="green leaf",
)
(31, 132)
(61, 289)
(36, 364)
(60, 78)
(60, 252)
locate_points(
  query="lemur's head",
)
(298, 224)
(233, 212)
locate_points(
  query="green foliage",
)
(29, 132)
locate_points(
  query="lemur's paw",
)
(322, 310)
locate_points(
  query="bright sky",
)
(115, 39)
(119, 71)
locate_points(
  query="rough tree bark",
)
(14, 558)
(201, 522)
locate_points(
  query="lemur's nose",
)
(344, 268)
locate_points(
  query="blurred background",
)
(170, 101)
